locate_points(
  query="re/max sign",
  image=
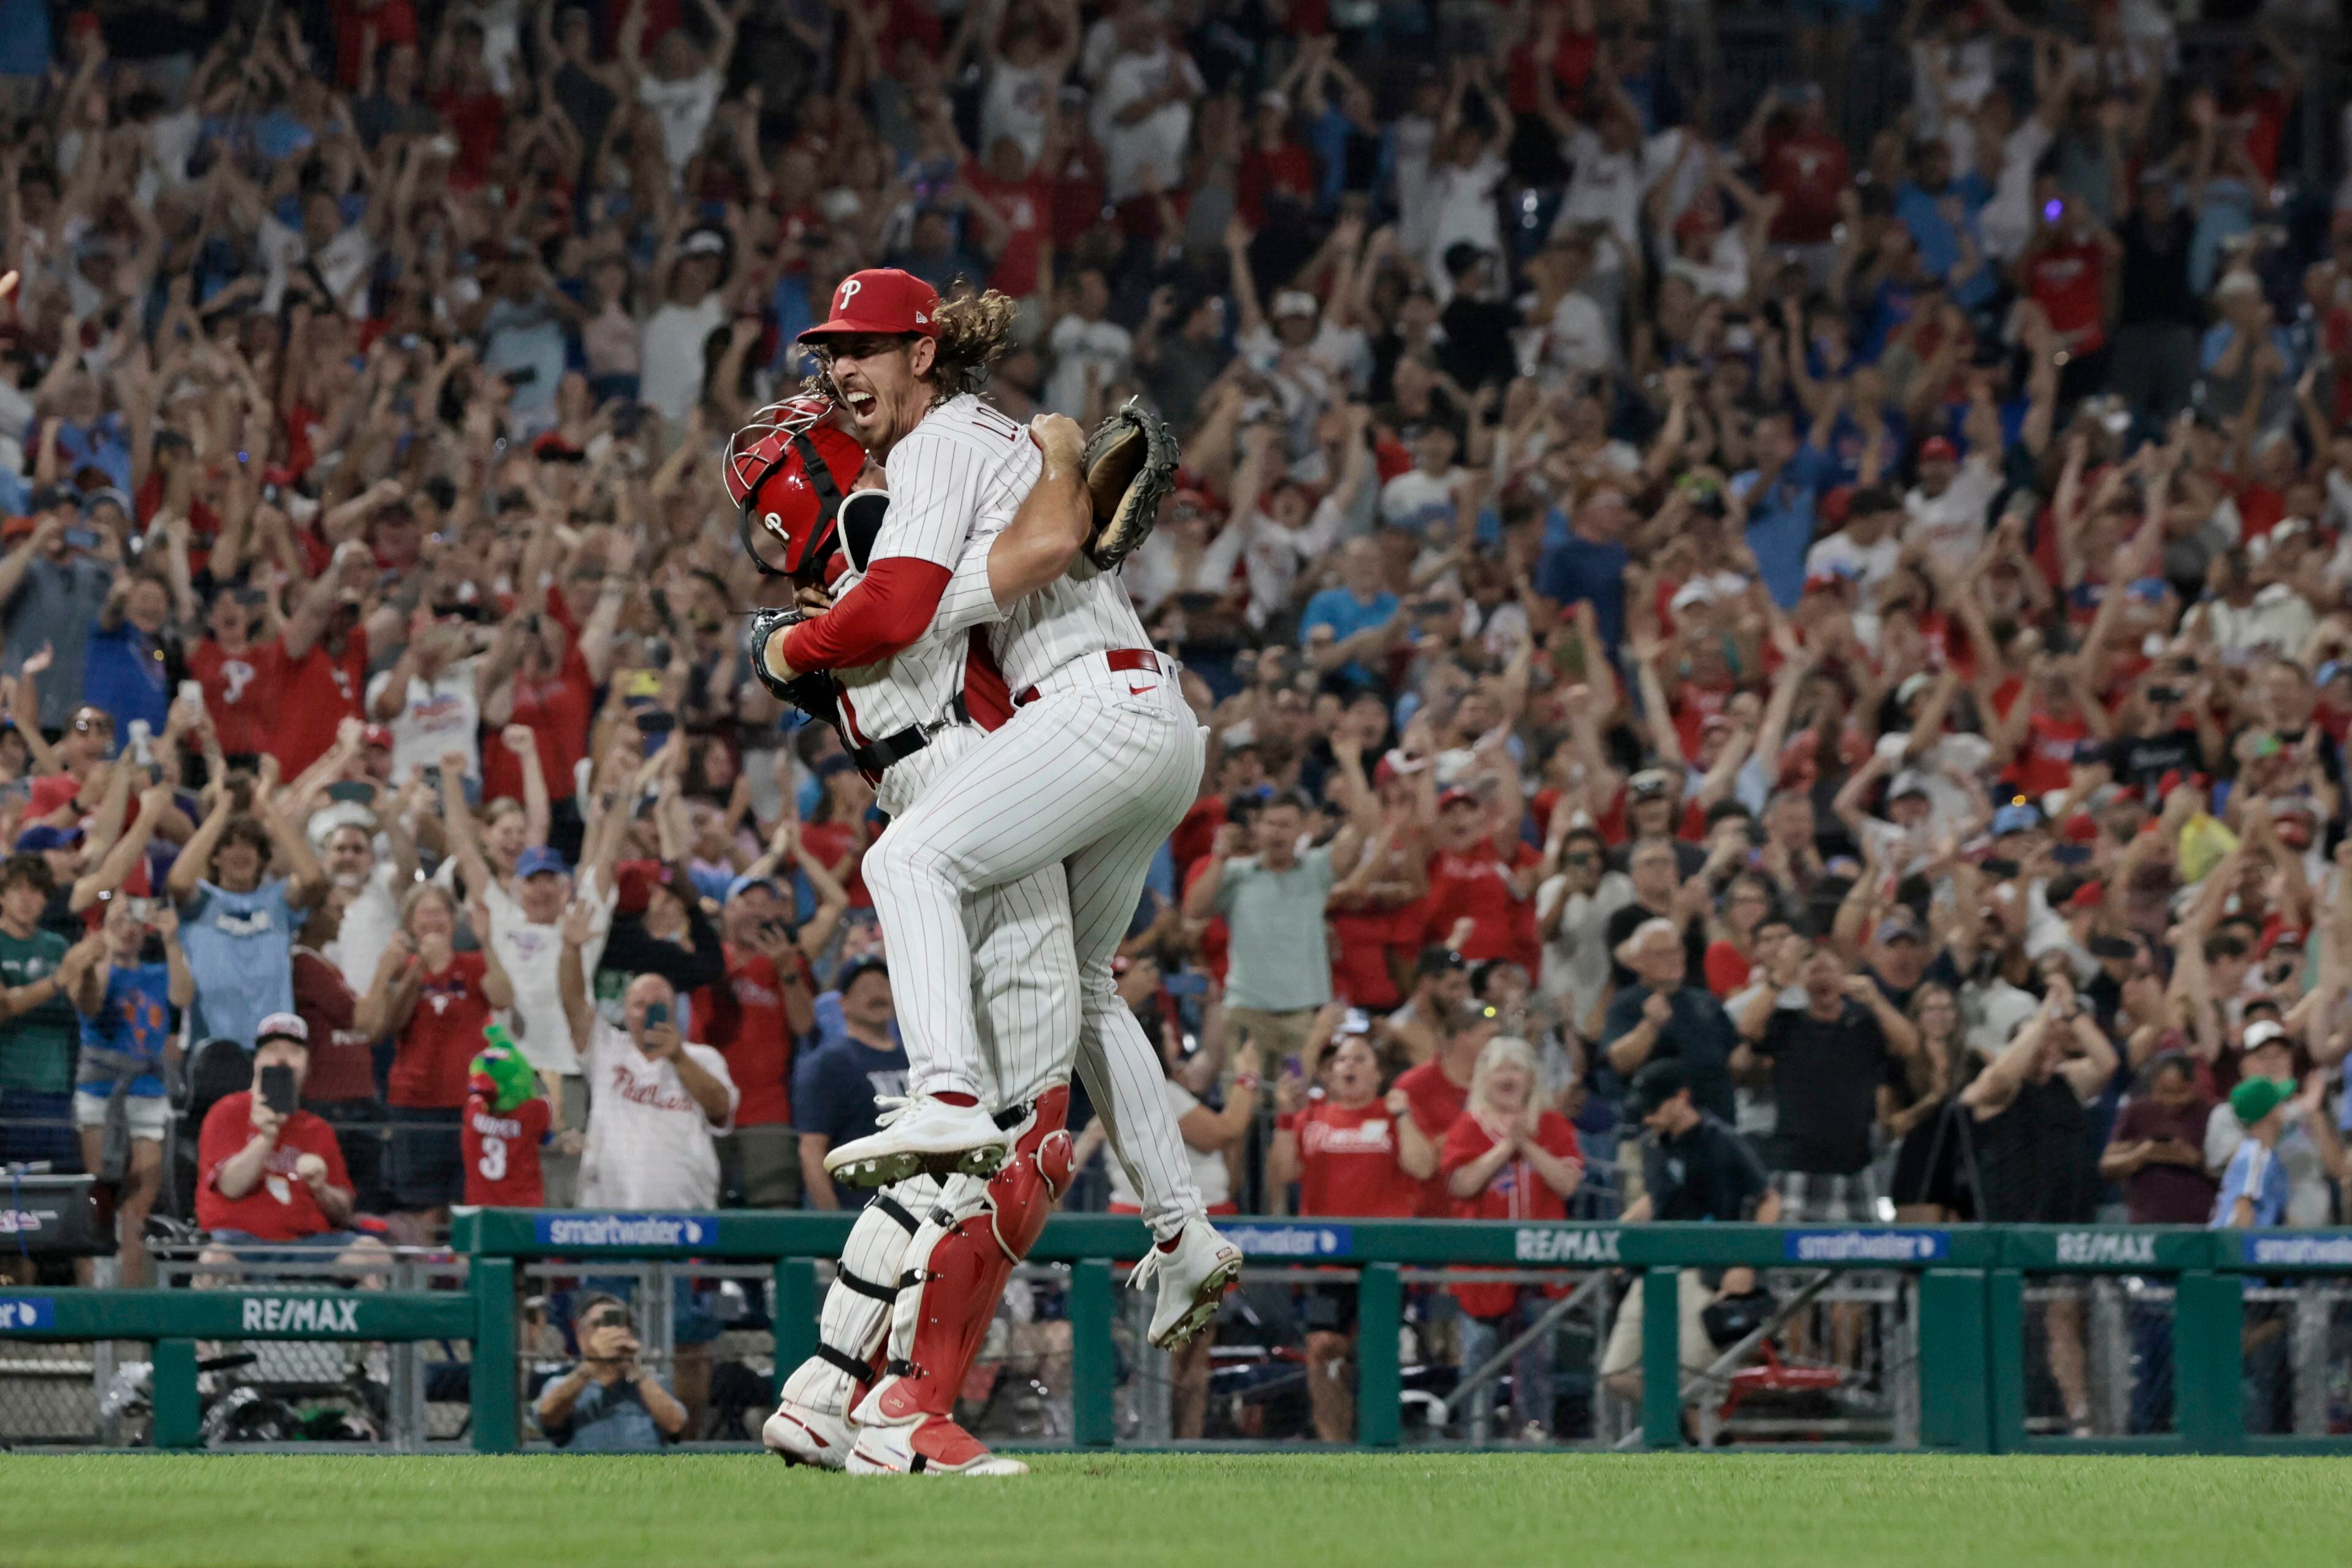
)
(1544, 1246)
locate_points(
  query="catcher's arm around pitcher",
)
(1044, 540)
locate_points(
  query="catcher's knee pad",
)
(855, 1323)
(956, 1265)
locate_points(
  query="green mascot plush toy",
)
(498, 1075)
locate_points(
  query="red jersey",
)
(1361, 942)
(2045, 757)
(2068, 279)
(314, 695)
(1808, 170)
(431, 1057)
(1504, 924)
(240, 694)
(1284, 171)
(502, 1154)
(1516, 1191)
(280, 1207)
(342, 1059)
(833, 843)
(557, 711)
(1026, 205)
(1347, 1163)
(1437, 1104)
(1727, 969)
(752, 1035)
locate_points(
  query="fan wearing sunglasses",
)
(608, 1402)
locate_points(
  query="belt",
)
(873, 758)
(1117, 658)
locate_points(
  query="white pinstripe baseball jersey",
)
(964, 468)
(1083, 612)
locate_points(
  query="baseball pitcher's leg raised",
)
(1055, 779)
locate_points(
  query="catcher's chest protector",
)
(958, 1263)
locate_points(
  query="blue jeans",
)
(1531, 1369)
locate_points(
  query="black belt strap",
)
(898, 1368)
(898, 1213)
(882, 1293)
(878, 755)
(857, 1370)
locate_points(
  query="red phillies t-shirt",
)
(1504, 925)
(432, 1055)
(833, 843)
(1727, 969)
(1437, 1104)
(314, 694)
(280, 1207)
(1284, 171)
(2068, 279)
(1808, 170)
(1026, 205)
(342, 1059)
(1347, 1163)
(1516, 1191)
(240, 694)
(753, 1037)
(557, 711)
(502, 1153)
(1362, 940)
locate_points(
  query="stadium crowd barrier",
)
(1971, 1305)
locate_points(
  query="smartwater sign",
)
(630, 1230)
(1865, 1246)
(26, 1312)
(2285, 1251)
(1291, 1240)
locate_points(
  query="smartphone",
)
(521, 376)
(2071, 854)
(82, 537)
(193, 692)
(278, 1090)
(358, 790)
(657, 1015)
(2001, 868)
(1186, 985)
(2112, 947)
(654, 727)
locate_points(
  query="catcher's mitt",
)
(811, 692)
(1130, 466)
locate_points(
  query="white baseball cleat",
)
(931, 1446)
(922, 1135)
(801, 1434)
(1194, 1277)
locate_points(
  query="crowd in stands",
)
(1773, 642)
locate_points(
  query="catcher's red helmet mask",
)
(788, 469)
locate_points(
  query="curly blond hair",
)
(975, 330)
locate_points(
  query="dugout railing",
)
(2246, 1332)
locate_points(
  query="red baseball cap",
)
(881, 300)
(1936, 447)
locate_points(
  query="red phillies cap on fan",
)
(1936, 447)
(881, 300)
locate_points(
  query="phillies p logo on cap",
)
(882, 301)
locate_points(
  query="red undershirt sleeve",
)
(878, 618)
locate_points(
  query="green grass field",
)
(1476, 1511)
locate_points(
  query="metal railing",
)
(1962, 1338)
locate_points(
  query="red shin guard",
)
(964, 1276)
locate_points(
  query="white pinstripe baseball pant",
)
(1092, 775)
(1025, 993)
